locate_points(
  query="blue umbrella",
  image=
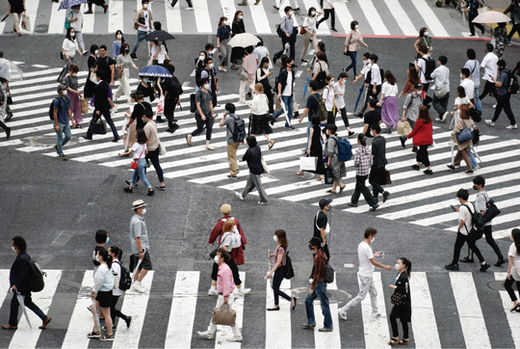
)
(155, 71)
(305, 87)
(69, 3)
(359, 96)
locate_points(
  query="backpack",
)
(329, 274)
(236, 239)
(511, 83)
(477, 223)
(344, 149)
(320, 78)
(125, 279)
(174, 87)
(239, 129)
(321, 110)
(289, 270)
(429, 68)
(51, 110)
(36, 282)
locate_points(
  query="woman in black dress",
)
(402, 308)
(315, 147)
(237, 27)
(90, 85)
(262, 76)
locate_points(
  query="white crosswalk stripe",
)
(466, 319)
(408, 200)
(260, 19)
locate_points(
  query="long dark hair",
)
(68, 34)
(390, 78)
(407, 264)
(424, 114)
(103, 253)
(141, 136)
(119, 31)
(516, 239)
(413, 76)
(235, 18)
(282, 238)
(117, 252)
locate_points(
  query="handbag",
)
(160, 108)
(118, 72)
(328, 175)
(264, 165)
(442, 92)
(465, 135)
(403, 128)
(398, 298)
(388, 180)
(134, 164)
(224, 316)
(289, 270)
(26, 22)
(84, 106)
(98, 126)
(302, 30)
(308, 163)
(93, 77)
(162, 149)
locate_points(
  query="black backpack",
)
(36, 282)
(329, 274)
(477, 223)
(289, 270)
(125, 279)
(239, 129)
(429, 67)
(320, 78)
(175, 87)
(511, 83)
(51, 110)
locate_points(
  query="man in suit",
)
(102, 105)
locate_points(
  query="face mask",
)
(397, 266)
(214, 51)
(14, 249)
(331, 83)
(216, 259)
(202, 57)
(119, 36)
(226, 22)
(426, 33)
(475, 187)
(356, 27)
(144, 210)
(72, 35)
(145, 6)
(108, 239)
(64, 92)
(211, 65)
(146, 80)
(144, 120)
(206, 86)
(313, 13)
(289, 13)
(97, 258)
(96, 52)
(461, 76)
(373, 239)
(275, 238)
(344, 81)
(240, 17)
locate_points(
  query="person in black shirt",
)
(253, 156)
(105, 66)
(19, 279)
(321, 225)
(377, 175)
(172, 89)
(102, 105)
(372, 116)
(141, 108)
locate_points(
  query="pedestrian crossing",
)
(415, 198)
(469, 316)
(376, 17)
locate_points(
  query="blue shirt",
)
(504, 75)
(223, 32)
(116, 48)
(62, 105)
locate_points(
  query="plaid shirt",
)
(362, 160)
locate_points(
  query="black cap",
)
(315, 241)
(324, 202)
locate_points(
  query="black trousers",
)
(441, 104)
(489, 87)
(375, 178)
(361, 188)
(514, 29)
(328, 12)
(422, 155)
(504, 102)
(153, 155)
(4, 126)
(114, 312)
(331, 118)
(15, 305)
(270, 99)
(278, 277)
(201, 124)
(234, 270)
(343, 112)
(169, 110)
(459, 242)
(292, 41)
(106, 114)
(488, 233)
(508, 284)
(370, 94)
(395, 330)
(471, 16)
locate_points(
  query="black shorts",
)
(146, 263)
(104, 298)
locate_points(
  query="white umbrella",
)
(491, 17)
(21, 300)
(243, 40)
(10, 71)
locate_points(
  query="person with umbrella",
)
(237, 27)
(160, 35)
(75, 19)
(142, 23)
(472, 11)
(158, 52)
(19, 278)
(5, 76)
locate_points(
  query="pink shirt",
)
(249, 66)
(225, 283)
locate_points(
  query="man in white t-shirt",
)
(142, 23)
(490, 66)
(367, 264)
(468, 84)
(463, 232)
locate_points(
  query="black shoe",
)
(351, 133)
(359, 115)
(452, 267)
(87, 138)
(416, 167)
(115, 140)
(277, 9)
(160, 120)
(351, 204)
(150, 193)
(333, 29)
(277, 308)
(428, 172)
(304, 60)
(374, 207)
(128, 321)
(272, 121)
(8, 132)
(134, 56)
(385, 196)
(162, 188)
(306, 326)
(402, 139)
(484, 267)
(468, 171)
(294, 66)
(499, 262)
(128, 182)
(325, 329)
(128, 189)
(467, 260)
(451, 167)
(173, 128)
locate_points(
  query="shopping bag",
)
(387, 178)
(403, 128)
(162, 149)
(26, 22)
(224, 316)
(264, 165)
(160, 108)
(84, 106)
(308, 163)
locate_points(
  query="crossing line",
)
(375, 21)
(278, 323)
(430, 18)
(57, 20)
(425, 332)
(376, 330)
(512, 318)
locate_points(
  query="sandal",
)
(516, 308)
(331, 191)
(394, 341)
(94, 335)
(271, 144)
(404, 341)
(341, 189)
(107, 338)
(299, 173)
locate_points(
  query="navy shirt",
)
(504, 75)
(62, 104)
(223, 32)
(20, 271)
(312, 104)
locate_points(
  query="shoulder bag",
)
(134, 164)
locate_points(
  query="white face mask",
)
(96, 52)
(426, 33)
(119, 36)
(211, 65)
(64, 92)
(462, 76)
(14, 249)
(357, 27)
(275, 238)
(145, 6)
(240, 17)
(373, 239)
(216, 259)
(97, 258)
(144, 210)
(397, 266)
(331, 83)
(226, 22)
(202, 57)
(289, 14)
(206, 86)
(72, 35)
(313, 13)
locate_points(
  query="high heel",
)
(516, 308)
(293, 303)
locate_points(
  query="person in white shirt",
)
(473, 65)
(329, 10)
(260, 115)
(339, 100)
(75, 19)
(467, 83)
(441, 86)
(490, 66)
(388, 102)
(367, 264)
(363, 75)
(513, 268)
(464, 232)
(69, 47)
(116, 253)
(376, 80)
(327, 96)
(421, 67)
(158, 53)
(142, 23)
(309, 25)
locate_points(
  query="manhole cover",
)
(496, 285)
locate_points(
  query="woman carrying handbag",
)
(139, 164)
(402, 308)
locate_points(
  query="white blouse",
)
(70, 47)
(389, 90)
(259, 105)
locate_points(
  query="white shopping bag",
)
(26, 22)
(308, 163)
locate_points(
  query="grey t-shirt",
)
(480, 203)
(229, 122)
(138, 229)
(203, 98)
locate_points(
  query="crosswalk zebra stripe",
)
(202, 19)
(81, 319)
(4, 276)
(324, 27)
(502, 218)
(260, 19)
(88, 23)
(376, 330)
(57, 20)
(173, 18)
(228, 9)
(182, 311)
(31, 10)
(278, 323)
(512, 318)
(431, 20)
(25, 337)
(424, 326)
(343, 15)
(115, 15)
(468, 307)
(401, 18)
(377, 24)
(326, 339)
(134, 305)
(223, 332)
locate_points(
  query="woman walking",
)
(423, 38)
(513, 269)
(237, 27)
(260, 115)
(339, 100)
(90, 84)
(315, 147)
(253, 156)
(327, 96)
(139, 151)
(411, 81)
(339, 169)
(153, 144)
(388, 102)
(71, 81)
(422, 135)
(69, 47)
(462, 148)
(223, 35)
(401, 300)
(116, 254)
(125, 62)
(279, 269)
(17, 8)
(500, 35)
(309, 26)
(263, 74)
(118, 43)
(102, 293)
(352, 41)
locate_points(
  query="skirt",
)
(75, 107)
(390, 111)
(260, 124)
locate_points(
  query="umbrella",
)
(305, 87)
(160, 35)
(243, 40)
(21, 300)
(10, 71)
(359, 96)
(155, 71)
(69, 3)
(491, 17)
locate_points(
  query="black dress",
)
(88, 90)
(237, 52)
(268, 90)
(317, 149)
(403, 311)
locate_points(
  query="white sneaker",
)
(512, 127)
(489, 122)
(213, 291)
(138, 287)
(244, 291)
(205, 334)
(342, 314)
(239, 196)
(377, 315)
(235, 339)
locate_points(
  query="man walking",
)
(61, 116)
(287, 33)
(472, 65)
(210, 73)
(285, 93)
(367, 264)
(19, 279)
(321, 225)
(172, 94)
(490, 65)
(140, 245)
(441, 86)
(102, 105)
(377, 171)
(204, 114)
(105, 68)
(472, 11)
(318, 289)
(142, 23)
(229, 120)
(190, 5)
(503, 96)
(328, 9)
(362, 162)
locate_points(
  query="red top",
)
(422, 133)
(236, 253)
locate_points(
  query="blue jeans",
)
(473, 161)
(288, 102)
(64, 131)
(141, 173)
(140, 37)
(319, 292)
(478, 104)
(353, 58)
